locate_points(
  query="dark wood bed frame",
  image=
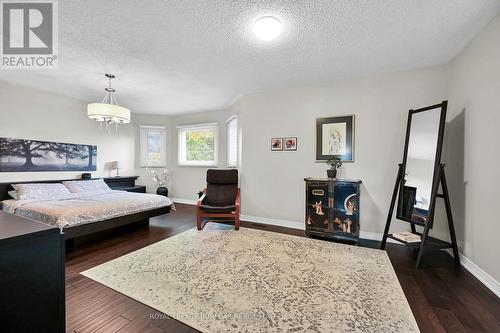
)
(76, 231)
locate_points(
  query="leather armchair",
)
(221, 197)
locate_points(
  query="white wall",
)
(272, 182)
(186, 181)
(472, 153)
(27, 113)
(144, 175)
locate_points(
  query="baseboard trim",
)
(466, 263)
(481, 275)
(375, 236)
(276, 222)
(183, 201)
(300, 226)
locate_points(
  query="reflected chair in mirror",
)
(409, 198)
(220, 199)
(409, 209)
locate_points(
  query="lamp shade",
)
(112, 112)
(116, 165)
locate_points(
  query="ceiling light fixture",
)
(267, 28)
(108, 112)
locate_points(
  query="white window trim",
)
(180, 144)
(145, 162)
(233, 117)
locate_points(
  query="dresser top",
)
(339, 180)
(12, 226)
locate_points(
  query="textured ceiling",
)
(173, 57)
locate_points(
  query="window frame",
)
(181, 144)
(233, 117)
(143, 132)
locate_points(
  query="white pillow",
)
(81, 186)
(13, 194)
(40, 191)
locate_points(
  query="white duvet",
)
(77, 208)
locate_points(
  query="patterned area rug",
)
(222, 280)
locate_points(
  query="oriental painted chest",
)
(332, 208)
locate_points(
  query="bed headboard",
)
(6, 187)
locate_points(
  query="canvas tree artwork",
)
(18, 155)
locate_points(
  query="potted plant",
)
(334, 164)
(161, 180)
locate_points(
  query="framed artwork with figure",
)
(335, 138)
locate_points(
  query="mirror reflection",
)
(420, 165)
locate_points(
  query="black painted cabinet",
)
(32, 297)
(332, 208)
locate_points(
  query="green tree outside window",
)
(200, 145)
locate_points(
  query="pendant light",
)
(108, 112)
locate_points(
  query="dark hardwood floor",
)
(442, 297)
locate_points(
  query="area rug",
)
(223, 280)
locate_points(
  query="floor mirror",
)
(419, 179)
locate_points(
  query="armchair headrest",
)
(222, 176)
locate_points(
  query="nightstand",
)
(125, 184)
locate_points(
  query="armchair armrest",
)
(237, 203)
(199, 202)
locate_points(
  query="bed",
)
(91, 208)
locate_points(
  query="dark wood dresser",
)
(125, 184)
(32, 295)
(332, 208)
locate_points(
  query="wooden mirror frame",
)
(437, 163)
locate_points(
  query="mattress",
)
(85, 208)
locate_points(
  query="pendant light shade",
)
(108, 111)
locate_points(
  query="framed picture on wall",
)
(152, 146)
(291, 143)
(276, 144)
(335, 138)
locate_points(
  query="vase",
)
(331, 173)
(162, 190)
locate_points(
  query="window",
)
(153, 146)
(198, 144)
(232, 141)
